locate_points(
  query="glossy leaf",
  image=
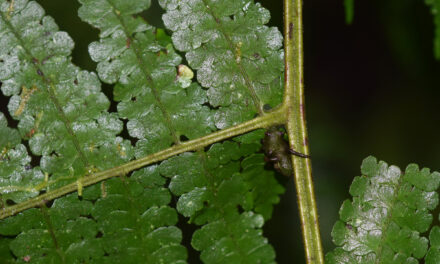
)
(387, 216)
(236, 56)
(9, 138)
(64, 123)
(160, 109)
(161, 106)
(18, 180)
(60, 108)
(63, 114)
(124, 221)
(433, 255)
(212, 189)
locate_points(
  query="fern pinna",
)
(63, 119)
(388, 219)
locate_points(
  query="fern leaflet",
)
(63, 117)
(63, 114)
(224, 41)
(387, 216)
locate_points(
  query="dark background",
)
(371, 88)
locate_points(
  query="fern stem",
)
(270, 119)
(297, 129)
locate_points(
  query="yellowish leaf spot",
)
(121, 150)
(238, 52)
(10, 9)
(92, 147)
(184, 75)
(79, 183)
(103, 190)
(25, 95)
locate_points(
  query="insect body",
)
(277, 151)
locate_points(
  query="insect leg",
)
(296, 153)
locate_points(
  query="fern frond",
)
(123, 219)
(9, 138)
(236, 56)
(433, 255)
(63, 117)
(213, 193)
(136, 222)
(235, 238)
(265, 190)
(19, 181)
(389, 212)
(17, 178)
(61, 110)
(63, 114)
(160, 109)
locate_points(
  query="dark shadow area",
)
(66, 17)
(4, 109)
(284, 228)
(187, 230)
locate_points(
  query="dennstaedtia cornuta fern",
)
(63, 118)
(82, 184)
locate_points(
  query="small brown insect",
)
(278, 152)
(128, 43)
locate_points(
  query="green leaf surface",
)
(9, 138)
(64, 123)
(107, 15)
(212, 186)
(5, 254)
(63, 113)
(265, 190)
(61, 109)
(18, 180)
(144, 69)
(236, 56)
(208, 184)
(387, 216)
(433, 255)
(218, 240)
(123, 221)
